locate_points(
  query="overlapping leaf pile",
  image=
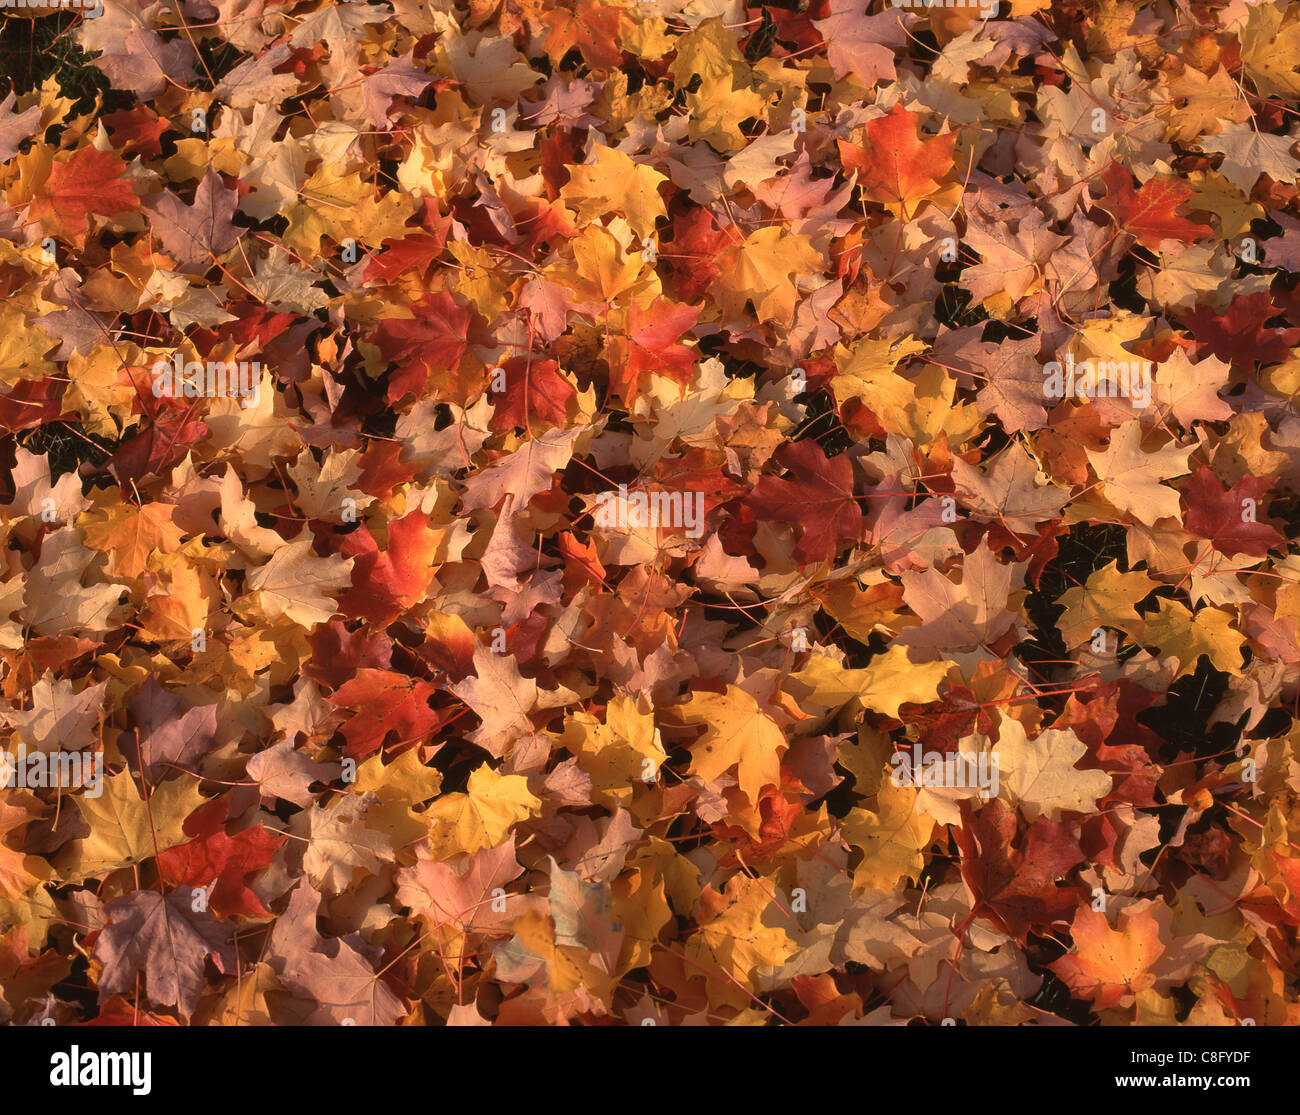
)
(396, 730)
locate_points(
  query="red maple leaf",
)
(780, 809)
(818, 497)
(31, 403)
(1148, 213)
(942, 724)
(226, 861)
(1106, 710)
(174, 431)
(1013, 875)
(385, 584)
(690, 260)
(382, 468)
(381, 702)
(533, 389)
(1227, 516)
(89, 182)
(337, 653)
(435, 339)
(697, 471)
(411, 256)
(1238, 334)
(137, 131)
(650, 344)
(591, 27)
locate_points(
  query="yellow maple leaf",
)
(23, 346)
(1107, 599)
(891, 839)
(747, 931)
(616, 184)
(404, 779)
(605, 270)
(101, 391)
(129, 534)
(760, 269)
(125, 828)
(620, 754)
(461, 824)
(1175, 632)
(1131, 475)
(716, 111)
(886, 682)
(1270, 51)
(738, 733)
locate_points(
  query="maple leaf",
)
(353, 834)
(133, 55)
(294, 582)
(1270, 52)
(1238, 334)
(615, 752)
(1039, 776)
(1014, 391)
(1131, 477)
(19, 873)
(818, 497)
(60, 717)
(463, 891)
(434, 339)
(462, 824)
(1009, 491)
(126, 828)
(383, 702)
(1176, 633)
(741, 930)
(533, 388)
(343, 987)
(897, 166)
(522, 474)
(1227, 516)
(1190, 391)
(16, 126)
(1014, 874)
(386, 584)
(1110, 964)
(194, 235)
(163, 939)
(282, 772)
(759, 270)
(1251, 153)
(892, 838)
(504, 700)
(168, 742)
(614, 183)
(1148, 213)
(219, 864)
(130, 534)
(861, 44)
(889, 680)
(1108, 599)
(966, 616)
(737, 733)
(399, 78)
(651, 345)
(90, 182)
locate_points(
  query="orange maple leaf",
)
(897, 165)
